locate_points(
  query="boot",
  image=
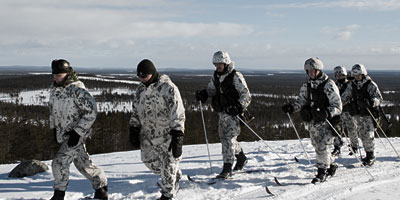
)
(164, 198)
(369, 160)
(336, 151)
(58, 195)
(101, 193)
(241, 161)
(320, 177)
(332, 169)
(226, 171)
(355, 149)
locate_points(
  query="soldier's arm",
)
(300, 100)
(134, 120)
(375, 94)
(347, 94)
(335, 102)
(51, 118)
(88, 109)
(211, 91)
(241, 86)
(177, 114)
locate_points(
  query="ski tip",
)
(268, 191)
(296, 159)
(277, 182)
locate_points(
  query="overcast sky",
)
(184, 34)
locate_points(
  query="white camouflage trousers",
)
(321, 139)
(161, 161)
(228, 131)
(365, 128)
(349, 126)
(78, 154)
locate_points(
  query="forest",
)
(25, 133)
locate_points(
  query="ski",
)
(212, 181)
(268, 191)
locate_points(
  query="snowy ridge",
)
(130, 179)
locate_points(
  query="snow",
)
(130, 179)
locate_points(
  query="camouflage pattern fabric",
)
(372, 89)
(229, 126)
(73, 108)
(158, 109)
(349, 125)
(320, 133)
(365, 127)
(78, 154)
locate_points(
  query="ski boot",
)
(226, 171)
(58, 195)
(355, 150)
(332, 169)
(369, 160)
(320, 177)
(241, 161)
(164, 198)
(336, 151)
(101, 193)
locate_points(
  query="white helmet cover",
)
(358, 69)
(315, 63)
(221, 57)
(339, 70)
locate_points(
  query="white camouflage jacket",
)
(238, 81)
(372, 89)
(331, 91)
(157, 109)
(72, 107)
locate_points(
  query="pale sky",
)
(258, 34)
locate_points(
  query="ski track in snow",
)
(130, 179)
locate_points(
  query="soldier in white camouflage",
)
(72, 113)
(365, 98)
(157, 126)
(230, 98)
(318, 101)
(348, 122)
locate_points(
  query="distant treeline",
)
(25, 134)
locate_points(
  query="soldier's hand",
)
(319, 114)
(73, 138)
(288, 108)
(363, 103)
(55, 134)
(233, 110)
(201, 95)
(134, 136)
(176, 143)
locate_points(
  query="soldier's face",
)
(219, 66)
(58, 78)
(339, 76)
(146, 78)
(358, 77)
(312, 73)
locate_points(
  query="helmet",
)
(339, 70)
(315, 63)
(358, 69)
(59, 66)
(221, 57)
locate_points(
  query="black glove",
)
(363, 103)
(319, 115)
(134, 136)
(176, 143)
(55, 134)
(201, 95)
(233, 110)
(73, 138)
(288, 108)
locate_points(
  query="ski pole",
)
(298, 136)
(334, 129)
(205, 135)
(379, 126)
(380, 139)
(272, 150)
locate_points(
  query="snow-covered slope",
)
(130, 179)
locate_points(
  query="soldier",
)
(348, 123)
(318, 101)
(157, 126)
(72, 113)
(230, 97)
(364, 97)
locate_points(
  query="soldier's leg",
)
(85, 166)
(170, 173)
(150, 158)
(349, 123)
(367, 133)
(228, 130)
(60, 167)
(321, 139)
